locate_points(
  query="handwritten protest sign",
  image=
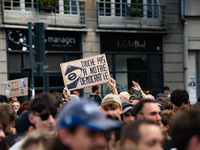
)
(17, 87)
(85, 72)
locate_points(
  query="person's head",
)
(111, 105)
(81, 125)
(141, 135)
(76, 92)
(75, 97)
(149, 94)
(166, 102)
(148, 91)
(134, 99)
(11, 113)
(95, 89)
(25, 106)
(4, 123)
(148, 110)
(166, 116)
(160, 95)
(180, 100)
(166, 90)
(127, 114)
(36, 141)
(59, 101)
(185, 131)
(3, 99)
(22, 123)
(15, 104)
(124, 96)
(113, 139)
(43, 110)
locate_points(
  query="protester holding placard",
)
(15, 104)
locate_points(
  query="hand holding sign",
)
(66, 94)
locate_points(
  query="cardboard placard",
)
(17, 87)
(85, 72)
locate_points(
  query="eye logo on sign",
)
(73, 74)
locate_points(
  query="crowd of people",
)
(118, 121)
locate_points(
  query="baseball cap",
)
(160, 95)
(126, 106)
(111, 98)
(74, 97)
(134, 96)
(84, 113)
(162, 107)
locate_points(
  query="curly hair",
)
(9, 110)
(179, 96)
(25, 106)
(165, 101)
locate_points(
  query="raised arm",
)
(66, 94)
(112, 86)
(137, 88)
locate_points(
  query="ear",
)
(128, 144)
(118, 144)
(167, 127)
(31, 118)
(139, 117)
(189, 102)
(65, 136)
(31, 129)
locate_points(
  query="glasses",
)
(45, 116)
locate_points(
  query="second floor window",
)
(137, 8)
(71, 7)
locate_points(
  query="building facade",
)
(142, 41)
(191, 18)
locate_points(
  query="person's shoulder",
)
(17, 145)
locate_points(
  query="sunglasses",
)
(45, 116)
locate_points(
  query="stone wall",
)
(173, 47)
(3, 60)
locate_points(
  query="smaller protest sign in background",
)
(85, 72)
(17, 87)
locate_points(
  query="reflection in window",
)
(12, 4)
(120, 7)
(152, 9)
(30, 5)
(71, 7)
(105, 8)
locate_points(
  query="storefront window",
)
(134, 57)
(60, 47)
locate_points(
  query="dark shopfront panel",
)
(135, 57)
(60, 47)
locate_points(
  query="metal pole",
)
(31, 59)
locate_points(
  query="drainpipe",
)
(185, 45)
